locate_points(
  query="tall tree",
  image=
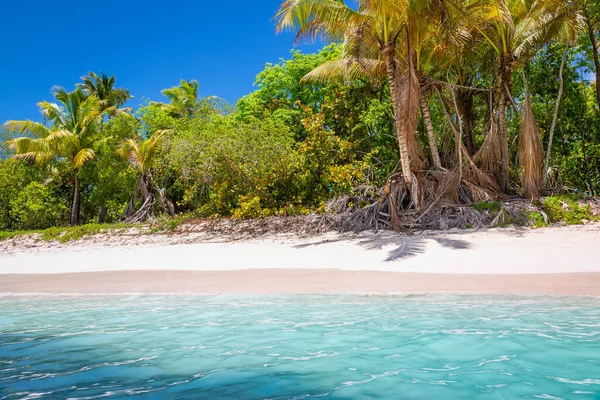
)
(184, 99)
(103, 87)
(514, 28)
(142, 155)
(590, 10)
(70, 139)
(110, 98)
(383, 36)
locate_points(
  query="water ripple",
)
(278, 347)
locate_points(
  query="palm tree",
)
(590, 9)
(183, 99)
(103, 87)
(513, 29)
(377, 34)
(142, 155)
(69, 140)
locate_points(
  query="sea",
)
(299, 347)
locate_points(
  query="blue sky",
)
(148, 45)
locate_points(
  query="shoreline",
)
(295, 282)
(554, 261)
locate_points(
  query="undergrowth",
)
(67, 234)
(491, 206)
(567, 210)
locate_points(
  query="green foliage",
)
(329, 164)
(216, 160)
(291, 146)
(110, 179)
(358, 111)
(14, 177)
(537, 219)
(491, 206)
(575, 158)
(35, 207)
(66, 234)
(567, 209)
(249, 207)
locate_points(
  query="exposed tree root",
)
(154, 204)
(442, 196)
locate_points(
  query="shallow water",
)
(415, 347)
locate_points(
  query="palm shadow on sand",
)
(405, 247)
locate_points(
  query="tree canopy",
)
(413, 104)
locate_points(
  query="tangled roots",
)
(435, 200)
(153, 205)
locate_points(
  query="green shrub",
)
(249, 207)
(566, 209)
(492, 206)
(14, 177)
(67, 234)
(537, 219)
(35, 207)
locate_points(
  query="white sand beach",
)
(557, 260)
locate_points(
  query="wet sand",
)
(296, 282)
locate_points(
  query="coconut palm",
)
(378, 34)
(514, 29)
(103, 87)
(183, 99)
(70, 139)
(143, 154)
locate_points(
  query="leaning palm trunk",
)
(435, 155)
(555, 118)
(406, 93)
(397, 99)
(75, 207)
(152, 202)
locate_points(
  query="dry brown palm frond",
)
(530, 152)
(410, 95)
(488, 157)
(481, 184)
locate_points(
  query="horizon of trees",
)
(442, 101)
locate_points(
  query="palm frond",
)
(328, 19)
(29, 128)
(530, 151)
(347, 70)
(83, 156)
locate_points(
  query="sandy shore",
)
(561, 260)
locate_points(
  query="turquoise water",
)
(415, 347)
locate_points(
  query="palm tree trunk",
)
(389, 53)
(594, 42)
(465, 108)
(437, 162)
(505, 85)
(555, 118)
(75, 207)
(102, 214)
(504, 172)
(145, 184)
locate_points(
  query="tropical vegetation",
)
(410, 105)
